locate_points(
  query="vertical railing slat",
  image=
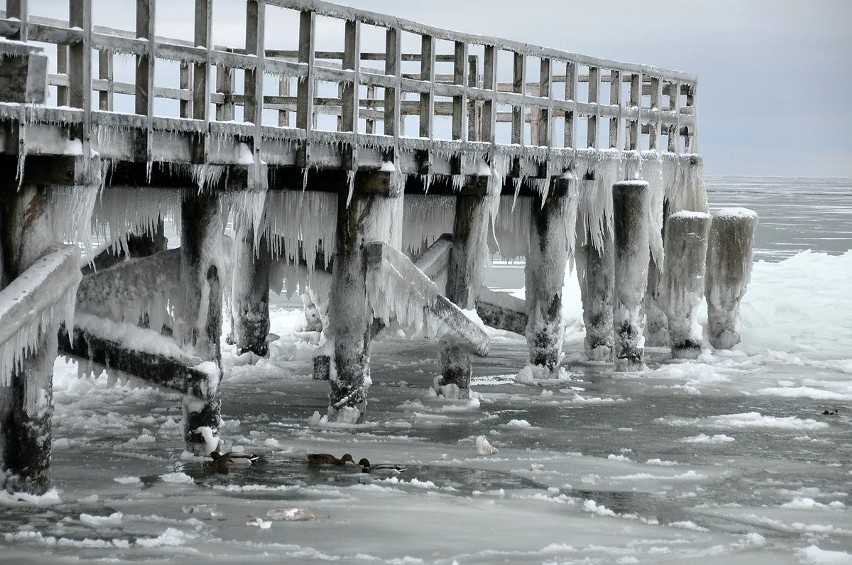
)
(634, 127)
(594, 99)
(19, 9)
(489, 83)
(80, 68)
(614, 100)
(654, 123)
(545, 127)
(305, 95)
(186, 87)
(571, 96)
(201, 71)
(350, 90)
(105, 72)
(427, 73)
(519, 74)
(474, 126)
(145, 24)
(393, 67)
(253, 85)
(460, 102)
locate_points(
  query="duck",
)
(328, 459)
(829, 412)
(386, 469)
(222, 462)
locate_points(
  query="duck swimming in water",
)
(387, 469)
(223, 462)
(328, 459)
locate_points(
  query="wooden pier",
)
(319, 158)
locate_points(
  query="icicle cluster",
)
(295, 218)
(123, 211)
(394, 298)
(426, 218)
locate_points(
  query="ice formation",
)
(301, 224)
(426, 218)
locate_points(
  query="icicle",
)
(425, 219)
(350, 183)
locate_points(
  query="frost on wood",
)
(729, 262)
(34, 303)
(683, 280)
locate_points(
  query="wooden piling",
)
(595, 271)
(464, 278)
(682, 285)
(545, 276)
(26, 404)
(200, 324)
(632, 253)
(250, 291)
(350, 317)
(729, 262)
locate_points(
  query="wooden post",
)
(350, 317)
(460, 77)
(594, 91)
(729, 262)
(468, 255)
(250, 291)
(683, 280)
(596, 274)
(632, 253)
(200, 325)
(656, 322)
(545, 274)
(519, 74)
(25, 425)
(145, 63)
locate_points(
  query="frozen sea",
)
(728, 459)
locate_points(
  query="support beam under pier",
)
(468, 255)
(200, 324)
(545, 276)
(632, 254)
(360, 215)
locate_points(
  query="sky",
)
(774, 75)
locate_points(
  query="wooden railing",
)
(425, 84)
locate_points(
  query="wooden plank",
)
(305, 104)
(654, 122)
(518, 86)
(105, 73)
(393, 96)
(80, 68)
(633, 125)
(350, 100)
(145, 64)
(23, 77)
(19, 9)
(474, 127)
(594, 93)
(460, 77)
(225, 86)
(62, 93)
(571, 98)
(614, 100)
(253, 107)
(489, 84)
(544, 125)
(201, 71)
(427, 74)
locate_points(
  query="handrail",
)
(646, 107)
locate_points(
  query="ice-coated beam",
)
(682, 287)
(501, 310)
(250, 291)
(200, 325)
(545, 275)
(632, 252)
(729, 262)
(595, 271)
(464, 278)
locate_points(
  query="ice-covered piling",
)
(42, 292)
(683, 280)
(632, 253)
(595, 271)
(250, 290)
(545, 275)
(468, 255)
(200, 324)
(366, 217)
(729, 262)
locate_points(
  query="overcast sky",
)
(775, 76)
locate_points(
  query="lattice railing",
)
(388, 77)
